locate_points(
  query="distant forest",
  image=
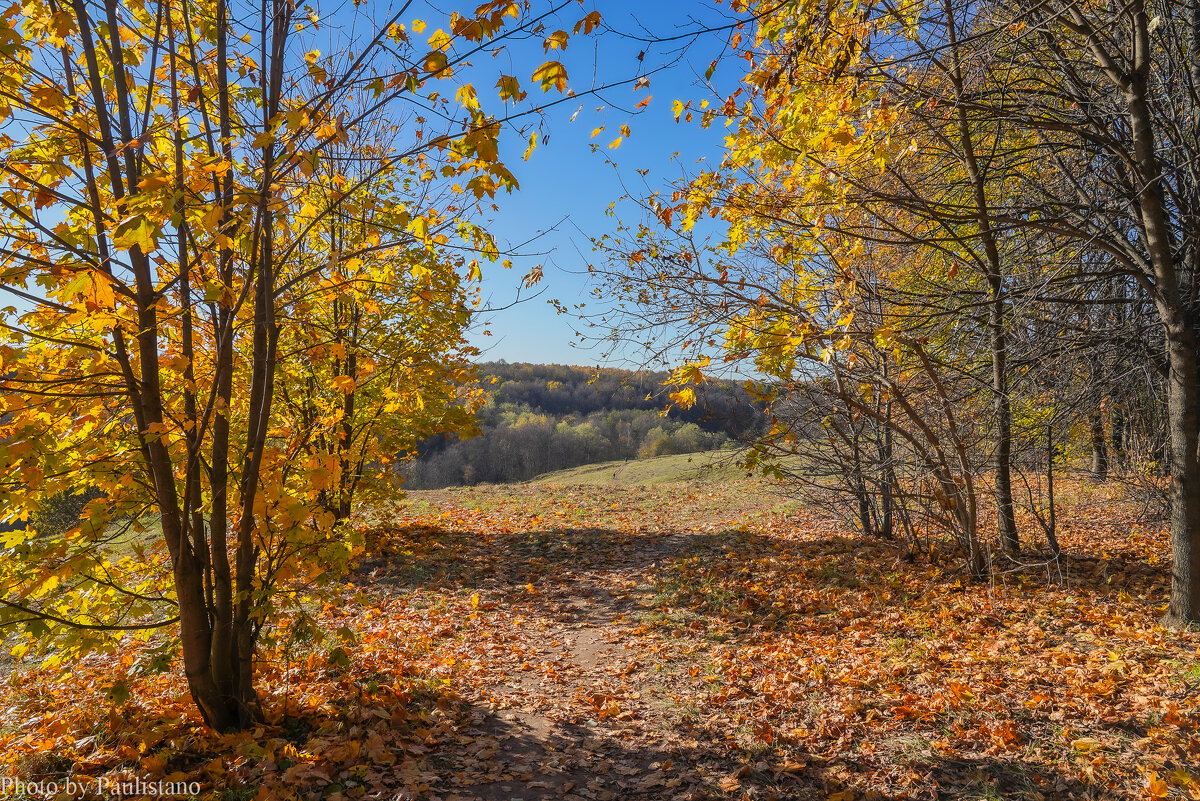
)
(545, 417)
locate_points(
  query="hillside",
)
(697, 468)
(540, 418)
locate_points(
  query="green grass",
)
(708, 466)
(1189, 671)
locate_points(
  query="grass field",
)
(707, 466)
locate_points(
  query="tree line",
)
(958, 242)
(542, 418)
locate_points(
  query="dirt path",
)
(585, 716)
(575, 685)
(569, 697)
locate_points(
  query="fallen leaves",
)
(681, 641)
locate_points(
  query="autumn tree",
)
(856, 403)
(218, 326)
(1044, 147)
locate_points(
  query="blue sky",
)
(567, 184)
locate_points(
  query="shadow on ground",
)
(714, 572)
(508, 756)
(688, 582)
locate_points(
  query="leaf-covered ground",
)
(691, 641)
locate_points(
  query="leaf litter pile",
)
(682, 641)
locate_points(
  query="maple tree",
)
(239, 292)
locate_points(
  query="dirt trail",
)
(576, 688)
(583, 712)
(544, 746)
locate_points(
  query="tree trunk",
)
(1006, 518)
(864, 504)
(197, 637)
(1099, 447)
(1183, 409)
(1183, 415)
(1051, 516)
(1120, 422)
(887, 527)
(1183, 381)
(1006, 515)
(222, 576)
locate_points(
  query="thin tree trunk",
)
(222, 640)
(145, 392)
(887, 526)
(1119, 437)
(1099, 446)
(1006, 516)
(1051, 515)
